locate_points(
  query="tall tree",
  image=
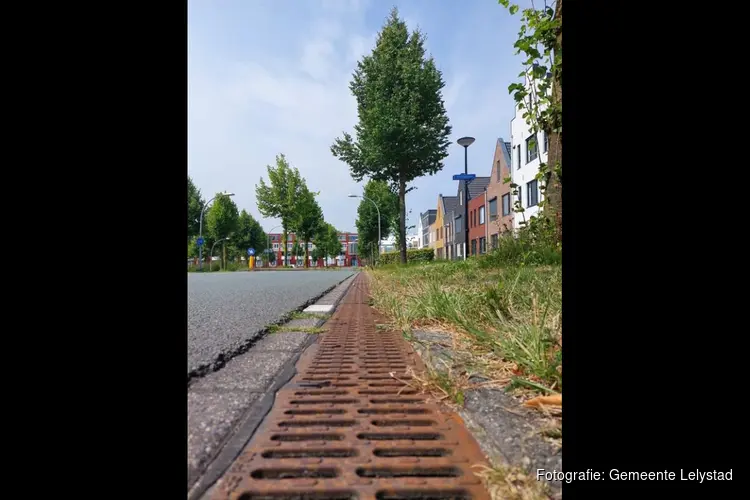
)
(280, 198)
(327, 241)
(249, 234)
(309, 219)
(221, 220)
(540, 43)
(403, 128)
(367, 215)
(194, 207)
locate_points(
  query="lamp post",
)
(200, 228)
(212, 249)
(268, 236)
(376, 208)
(466, 142)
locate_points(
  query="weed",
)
(309, 315)
(294, 329)
(512, 483)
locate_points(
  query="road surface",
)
(225, 309)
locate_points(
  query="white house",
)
(420, 230)
(527, 151)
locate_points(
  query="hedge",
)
(412, 255)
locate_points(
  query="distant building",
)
(349, 255)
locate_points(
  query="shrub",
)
(412, 255)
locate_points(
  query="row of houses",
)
(347, 257)
(490, 200)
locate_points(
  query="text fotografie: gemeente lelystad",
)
(619, 475)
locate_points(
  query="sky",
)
(272, 76)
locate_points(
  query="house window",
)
(545, 142)
(473, 247)
(482, 245)
(520, 197)
(532, 193)
(493, 240)
(506, 204)
(481, 215)
(532, 149)
(518, 156)
(458, 226)
(275, 246)
(493, 208)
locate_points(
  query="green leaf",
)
(513, 9)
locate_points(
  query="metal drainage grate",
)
(344, 428)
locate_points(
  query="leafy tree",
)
(309, 219)
(403, 128)
(194, 207)
(367, 216)
(249, 234)
(540, 41)
(327, 241)
(281, 197)
(221, 220)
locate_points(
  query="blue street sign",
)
(251, 251)
(464, 177)
(200, 242)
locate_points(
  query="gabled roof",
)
(506, 150)
(449, 204)
(478, 186)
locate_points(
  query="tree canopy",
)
(194, 207)
(309, 218)
(327, 241)
(249, 234)
(280, 198)
(403, 128)
(367, 216)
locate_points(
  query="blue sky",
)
(271, 76)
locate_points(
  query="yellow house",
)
(439, 230)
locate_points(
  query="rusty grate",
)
(345, 429)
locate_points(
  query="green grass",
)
(309, 315)
(294, 329)
(509, 316)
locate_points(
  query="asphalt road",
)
(225, 309)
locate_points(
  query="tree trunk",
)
(553, 193)
(402, 218)
(223, 256)
(307, 243)
(285, 237)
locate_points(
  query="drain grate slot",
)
(386, 391)
(317, 423)
(403, 423)
(396, 401)
(378, 472)
(316, 411)
(386, 411)
(320, 393)
(324, 401)
(411, 452)
(293, 473)
(405, 436)
(306, 437)
(308, 495)
(423, 495)
(311, 453)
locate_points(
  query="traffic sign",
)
(464, 177)
(251, 251)
(200, 242)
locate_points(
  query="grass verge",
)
(294, 329)
(308, 315)
(507, 319)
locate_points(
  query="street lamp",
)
(466, 142)
(200, 229)
(212, 249)
(376, 208)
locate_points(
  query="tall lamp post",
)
(200, 229)
(466, 142)
(376, 208)
(212, 249)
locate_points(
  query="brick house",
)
(478, 215)
(348, 256)
(449, 218)
(499, 196)
(477, 187)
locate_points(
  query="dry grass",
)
(512, 483)
(507, 320)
